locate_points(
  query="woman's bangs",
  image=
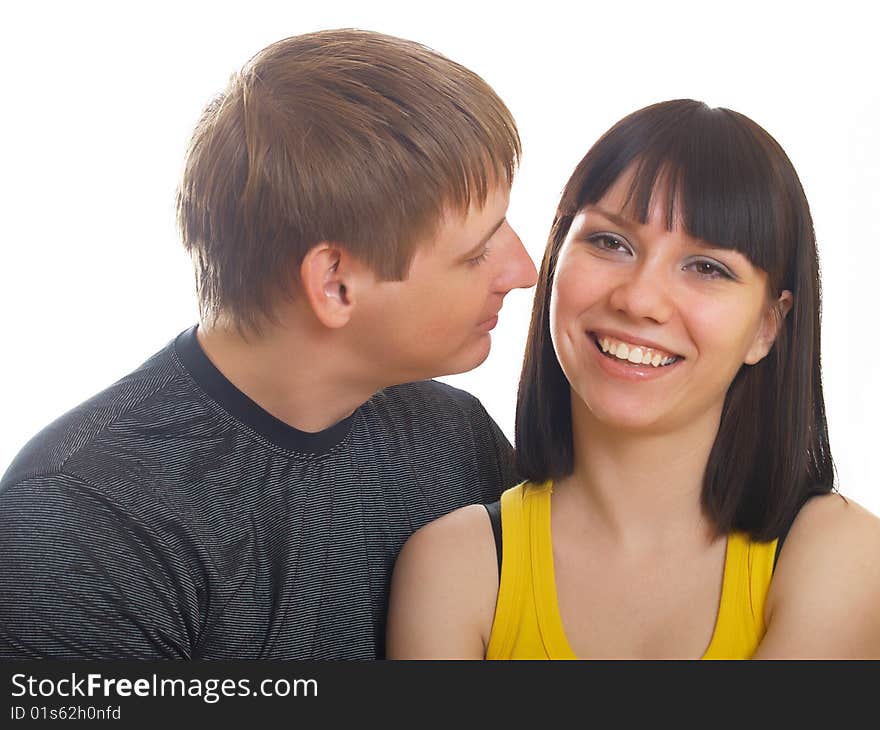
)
(714, 195)
(716, 175)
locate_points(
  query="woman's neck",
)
(639, 488)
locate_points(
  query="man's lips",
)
(488, 324)
(490, 321)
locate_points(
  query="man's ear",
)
(771, 323)
(329, 276)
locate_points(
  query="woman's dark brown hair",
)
(734, 187)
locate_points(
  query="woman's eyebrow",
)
(625, 222)
(613, 217)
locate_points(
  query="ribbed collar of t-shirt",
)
(242, 408)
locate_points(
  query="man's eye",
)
(476, 260)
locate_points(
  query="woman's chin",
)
(619, 416)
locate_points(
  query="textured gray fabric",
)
(170, 516)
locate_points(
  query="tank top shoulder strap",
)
(494, 510)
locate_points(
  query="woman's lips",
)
(626, 370)
(645, 350)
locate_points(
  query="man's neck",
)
(297, 375)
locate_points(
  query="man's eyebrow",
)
(475, 251)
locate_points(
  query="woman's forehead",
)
(620, 203)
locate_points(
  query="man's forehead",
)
(496, 196)
(478, 223)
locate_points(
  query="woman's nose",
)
(643, 293)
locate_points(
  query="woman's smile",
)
(622, 359)
(635, 302)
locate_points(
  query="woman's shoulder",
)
(461, 538)
(831, 523)
(444, 588)
(827, 582)
(831, 535)
(458, 532)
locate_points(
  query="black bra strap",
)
(494, 511)
(780, 540)
(784, 533)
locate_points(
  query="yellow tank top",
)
(527, 623)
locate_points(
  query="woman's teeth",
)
(636, 354)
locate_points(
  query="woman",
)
(671, 428)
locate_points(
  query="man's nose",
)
(519, 269)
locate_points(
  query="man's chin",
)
(463, 361)
(475, 356)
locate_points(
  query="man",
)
(244, 493)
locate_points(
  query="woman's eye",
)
(709, 270)
(608, 242)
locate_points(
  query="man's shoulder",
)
(76, 430)
(429, 399)
(432, 418)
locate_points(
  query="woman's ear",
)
(327, 274)
(771, 323)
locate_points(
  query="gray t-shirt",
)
(172, 517)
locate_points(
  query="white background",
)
(99, 100)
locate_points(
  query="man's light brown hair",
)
(345, 136)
